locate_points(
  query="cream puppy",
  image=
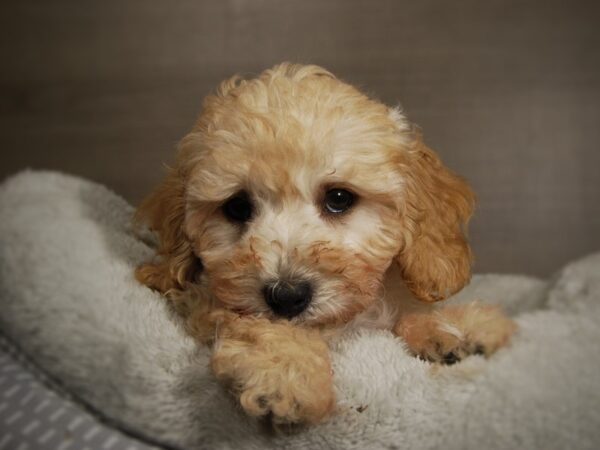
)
(298, 205)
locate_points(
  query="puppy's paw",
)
(449, 334)
(276, 371)
(284, 401)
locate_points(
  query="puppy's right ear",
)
(436, 259)
(164, 211)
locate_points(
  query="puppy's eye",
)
(338, 200)
(238, 208)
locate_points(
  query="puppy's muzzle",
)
(287, 298)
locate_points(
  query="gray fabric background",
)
(508, 92)
(34, 417)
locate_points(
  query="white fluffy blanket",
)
(69, 301)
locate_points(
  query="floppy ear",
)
(436, 258)
(164, 211)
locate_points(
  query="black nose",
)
(287, 298)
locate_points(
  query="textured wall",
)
(507, 92)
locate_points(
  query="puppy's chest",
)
(396, 299)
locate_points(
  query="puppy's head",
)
(296, 192)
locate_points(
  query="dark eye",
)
(238, 208)
(338, 200)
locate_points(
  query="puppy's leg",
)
(273, 368)
(450, 333)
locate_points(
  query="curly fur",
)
(285, 137)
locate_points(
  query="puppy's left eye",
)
(338, 200)
(238, 208)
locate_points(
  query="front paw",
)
(276, 371)
(284, 401)
(449, 334)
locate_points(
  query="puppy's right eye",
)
(338, 200)
(238, 208)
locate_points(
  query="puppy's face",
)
(297, 192)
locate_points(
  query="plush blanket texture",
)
(69, 301)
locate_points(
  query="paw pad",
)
(450, 358)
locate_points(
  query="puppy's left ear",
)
(436, 258)
(164, 211)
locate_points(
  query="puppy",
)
(299, 206)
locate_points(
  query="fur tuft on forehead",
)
(287, 130)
